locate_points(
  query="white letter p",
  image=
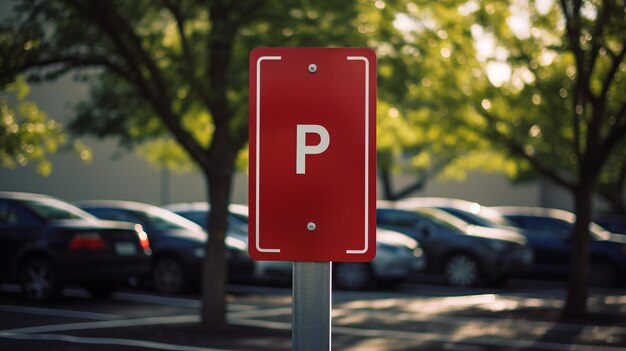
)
(302, 149)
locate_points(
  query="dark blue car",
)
(466, 255)
(549, 233)
(550, 230)
(178, 244)
(46, 244)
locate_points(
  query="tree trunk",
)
(215, 267)
(576, 303)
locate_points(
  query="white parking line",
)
(270, 312)
(106, 341)
(58, 313)
(120, 323)
(158, 300)
(171, 301)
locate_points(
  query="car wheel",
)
(462, 270)
(352, 276)
(101, 291)
(40, 279)
(168, 276)
(603, 274)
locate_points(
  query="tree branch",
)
(190, 63)
(153, 86)
(581, 86)
(518, 150)
(608, 79)
(76, 62)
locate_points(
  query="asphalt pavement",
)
(415, 316)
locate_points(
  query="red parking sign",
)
(312, 167)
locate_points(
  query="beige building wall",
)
(119, 174)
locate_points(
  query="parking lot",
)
(416, 316)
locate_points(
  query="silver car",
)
(397, 256)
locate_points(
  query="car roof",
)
(239, 209)
(188, 206)
(130, 205)
(204, 206)
(444, 202)
(435, 202)
(536, 211)
(436, 213)
(23, 196)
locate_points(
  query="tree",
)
(563, 111)
(177, 69)
(538, 82)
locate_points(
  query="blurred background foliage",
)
(461, 82)
(27, 134)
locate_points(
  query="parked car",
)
(198, 212)
(466, 255)
(178, 244)
(264, 271)
(468, 211)
(46, 243)
(550, 230)
(613, 223)
(397, 254)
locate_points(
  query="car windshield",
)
(482, 218)
(161, 219)
(201, 218)
(240, 217)
(198, 217)
(444, 219)
(50, 209)
(469, 217)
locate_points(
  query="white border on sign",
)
(367, 120)
(258, 146)
(258, 153)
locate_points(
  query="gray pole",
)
(311, 306)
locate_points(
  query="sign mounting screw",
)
(312, 68)
(311, 226)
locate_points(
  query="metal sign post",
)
(312, 292)
(312, 168)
